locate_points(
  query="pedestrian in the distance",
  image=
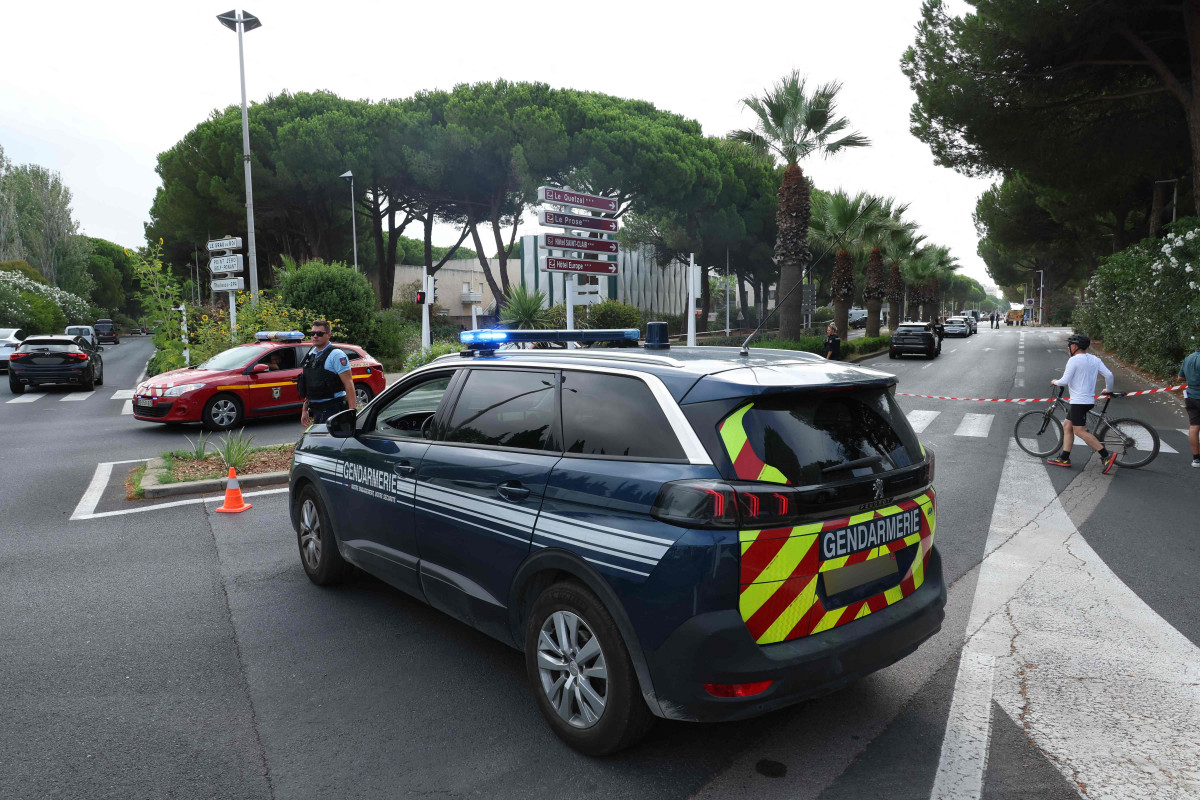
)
(326, 384)
(833, 345)
(1190, 372)
(1080, 376)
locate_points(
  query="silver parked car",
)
(957, 326)
(10, 339)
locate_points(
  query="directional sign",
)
(556, 241)
(551, 194)
(229, 285)
(558, 220)
(232, 243)
(226, 264)
(551, 264)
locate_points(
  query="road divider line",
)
(91, 495)
(173, 504)
(964, 757)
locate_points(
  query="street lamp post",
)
(1041, 293)
(349, 176)
(244, 21)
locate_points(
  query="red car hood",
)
(175, 377)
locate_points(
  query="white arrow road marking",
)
(1100, 683)
(27, 398)
(123, 394)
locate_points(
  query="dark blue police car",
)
(692, 534)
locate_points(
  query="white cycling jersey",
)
(1080, 378)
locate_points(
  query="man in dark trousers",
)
(326, 384)
(833, 345)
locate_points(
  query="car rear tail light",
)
(721, 505)
(737, 689)
(78, 356)
(17, 356)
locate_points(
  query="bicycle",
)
(1040, 433)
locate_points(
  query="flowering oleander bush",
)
(14, 286)
(419, 357)
(1144, 302)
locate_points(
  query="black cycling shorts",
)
(1193, 411)
(1078, 413)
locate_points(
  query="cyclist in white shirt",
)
(1080, 376)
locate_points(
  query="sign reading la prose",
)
(556, 241)
(556, 219)
(229, 285)
(226, 264)
(232, 243)
(551, 194)
(577, 266)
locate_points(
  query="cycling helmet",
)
(1080, 340)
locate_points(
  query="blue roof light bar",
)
(490, 339)
(279, 336)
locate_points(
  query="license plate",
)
(145, 402)
(855, 575)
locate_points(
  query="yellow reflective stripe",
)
(862, 612)
(787, 559)
(732, 432)
(257, 385)
(791, 615)
(833, 563)
(753, 596)
(893, 594)
(858, 518)
(771, 475)
(827, 621)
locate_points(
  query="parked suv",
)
(106, 331)
(682, 533)
(915, 338)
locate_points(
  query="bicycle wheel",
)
(1134, 442)
(1038, 433)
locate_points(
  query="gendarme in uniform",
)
(322, 385)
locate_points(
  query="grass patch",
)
(133, 483)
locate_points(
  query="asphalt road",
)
(177, 652)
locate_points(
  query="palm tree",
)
(792, 125)
(852, 224)
(873, 284)
(931, 265)
(899, 250)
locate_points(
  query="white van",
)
(85, 331)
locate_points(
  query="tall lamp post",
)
(349, 176)
(1041, 293)
(240, 21)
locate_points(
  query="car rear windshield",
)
(234, 358)
(49, 346)
(825, 436)
(78, 331)
(912, 329)
(103, 326)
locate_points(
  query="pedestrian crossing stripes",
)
(979, 426)
(76, 397)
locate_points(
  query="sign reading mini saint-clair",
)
(559, 220)
(551, 194)
(873, 533)
(551, 264)
(556, 241)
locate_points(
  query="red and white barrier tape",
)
(1031, 399)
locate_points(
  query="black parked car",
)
(915, 338)
(55, 359)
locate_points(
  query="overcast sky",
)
(97, 90)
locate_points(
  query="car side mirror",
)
(341, 424)
(261, 368)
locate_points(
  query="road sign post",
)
(578, 255)
(576, 266)
(222, 263)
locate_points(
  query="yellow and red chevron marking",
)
(780, 567)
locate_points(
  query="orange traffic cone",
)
(233, 496)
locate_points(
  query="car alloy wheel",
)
(310, 535)
(362, 395)
(222, 412)
(319, 555)
(572, 669)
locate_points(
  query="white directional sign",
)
(229, 285)
(232, 243)
(593, 202)
(226, 263)
(557, 241)
(555, 219)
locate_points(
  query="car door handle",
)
(404, 468)
(513, 491)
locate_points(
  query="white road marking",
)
(1020, 359)
(976, 425)
(1142, 444)
(91, 495)
(190, 501)
(1106, 688)
(75, 396)
(955, 350)
(920, 419)
(1020, 383)
(127, 408)
(927, 366)
(28, 398)
(1020, 369)
(122, 394)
